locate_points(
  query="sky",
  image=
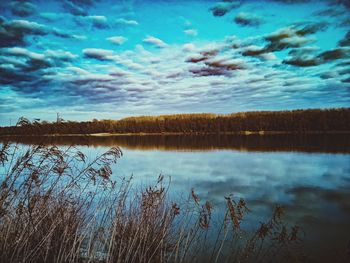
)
(111, 59)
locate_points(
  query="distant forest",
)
(296, 121)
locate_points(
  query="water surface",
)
(308, 174)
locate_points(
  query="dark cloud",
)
(332, 12)
(224, 64)
(222, 8)
(302, 62)
(217, 67)
(303, 57)
(254, 51)
(344, 64)
(246, 19)
(83, 2)
(74, 9)
(292, 1)
(23, 68)
(213, 65)
(345, 22)
(208, 71)
(339, 53)
(196, 59)
(346, 80)
(21, 8)
(345, 71)
(99, 22)
(311, 28)
(300, 30)
(328, 75)
(99, 54)
(345, 41)
(14, 33)
(345, 3)
(306, 58)
(295, 36)
(202, 56)
(78, 7)
(304, 51)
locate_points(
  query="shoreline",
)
(244, 133)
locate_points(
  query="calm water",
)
(308, 175)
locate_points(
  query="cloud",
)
(215, 65)
(331, 55)
(203, 55)
(85, 3)
(303, 57)
(225, 63)
(345, 41)
(332, 12)
(99, 21)
(74, 9)
(14, 33)
(306, 57)
(304, 51)
(154, 41)
(97, 53)
(118, 40)
(345, 3)
(303, 61)
(20, 8)
(188, 47)
(251, 70)
(29, 72)
(191, 32)
(347, 80)
(291, 37)
(222, 8)
(292, 1)
(247, 19)
(95, 21)
(253, 51)
(52, 17)
(33, 61)
(123, 21)
(60, 55)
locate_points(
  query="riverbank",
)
(243, 123)
(104, 134)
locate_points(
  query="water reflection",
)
(309, 175)
(332, 143)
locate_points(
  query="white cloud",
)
(191, 32)
(124, 21)
(118, 40)
(155, 41)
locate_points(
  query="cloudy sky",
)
(110, 59)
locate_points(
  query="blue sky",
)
(109, 59)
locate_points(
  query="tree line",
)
(295, 121)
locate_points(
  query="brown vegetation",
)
(296, 121)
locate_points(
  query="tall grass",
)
(57, 205)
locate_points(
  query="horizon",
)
(97, 59)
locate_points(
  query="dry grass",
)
(58, 206)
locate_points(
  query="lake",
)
(308, 174)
